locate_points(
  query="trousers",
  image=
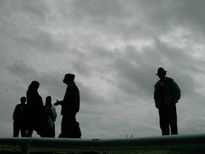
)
(168, 119)
(70, 128)
(18, 126)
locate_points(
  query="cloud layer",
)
(114, 48)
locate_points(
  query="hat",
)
(160, 70)
(70, 76)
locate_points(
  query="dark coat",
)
(71, 101)
(169, 93)
(19, 113)
(34, 109)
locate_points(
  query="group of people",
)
(35, 116)
(41, 118)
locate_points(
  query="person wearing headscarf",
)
(49, 117)
(35, 108)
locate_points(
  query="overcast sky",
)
(114, 48)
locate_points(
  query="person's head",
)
(161, 73)
(48, 101)
(34, 85)
(69, 78)
(23, 100)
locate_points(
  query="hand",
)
(58, 103)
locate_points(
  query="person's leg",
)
(63, 127)
(15, 129)
(67, 127)
(163, 119)
(29, 133)
(23, 132)
(77, 130)
(53, 130)
(173, 120)
(23, 129)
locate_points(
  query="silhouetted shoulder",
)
(157, 84)
(169, 79)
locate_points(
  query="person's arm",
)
(53, 113)
(15, 112)
(156, 96)
(176, 92)
(58, 102)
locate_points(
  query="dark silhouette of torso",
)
(71, 101)
(34, 110)
(19, 117)
(70, 107)
(166, 95)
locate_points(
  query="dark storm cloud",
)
(119, 17)
(114, 16)
(50, 81)
(133, 76)
(189, 13)
(114, 47)
(31, 37)
(126, 17)
(21, 69)
(35, 9)
(42, 41)
(88, 95)
(100, 11)
(25, 25)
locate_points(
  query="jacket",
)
(71, 100)
(168, 92)
(19, 112)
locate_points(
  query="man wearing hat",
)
(166, 95)
(70, 106)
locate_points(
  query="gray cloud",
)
(114, 48)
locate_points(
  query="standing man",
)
(70, 106)
(166, 95)
(19, 119)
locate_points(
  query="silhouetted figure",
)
(34, 108)
(166, 95)
(49, 117)
(70, 106)
(19, 118)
